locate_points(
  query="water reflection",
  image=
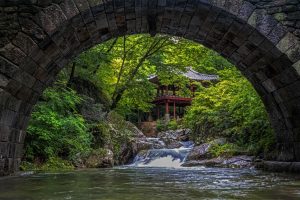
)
(152, 183)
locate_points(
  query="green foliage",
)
(56, 129)
(160, 126)
(225, 150)
(52, 164)
(172, 125)
(231, 108)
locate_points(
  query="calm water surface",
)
(152, 183)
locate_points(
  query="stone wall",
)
(38, 38)
(285, 11)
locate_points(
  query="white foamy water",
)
(173, 158)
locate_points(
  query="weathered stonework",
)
(38, 38)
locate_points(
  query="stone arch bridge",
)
(38, 38)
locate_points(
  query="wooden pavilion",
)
(168, 103)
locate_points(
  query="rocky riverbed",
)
(173, 143)
(200, 155)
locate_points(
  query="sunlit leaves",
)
(55, 128)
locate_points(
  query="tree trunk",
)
(72, 74)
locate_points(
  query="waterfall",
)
(163, 157)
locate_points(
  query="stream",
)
(156, 174)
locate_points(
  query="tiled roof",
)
(193, 75)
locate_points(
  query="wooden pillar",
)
(167, 107)
(174, 110)
(167, 114)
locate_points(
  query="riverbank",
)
(172, 148)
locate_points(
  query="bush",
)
(161, 126)
(225, 150)
(56, 129)
(172, 125)
(232, 109)
(53, 164)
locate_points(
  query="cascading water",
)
(163, 157)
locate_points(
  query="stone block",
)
(253, 57)
(262, 22)
(3, 81)
(296, 66)
(25, 108)
(229, 49)
(24, 93)
(290, 91)
(294, 52)
(38, 86)
(277, 33)
(13, 103)
(297, 134)
(286, 77)
(40, 58)
(69, 8)
(4, 150)
(7, 68)
(235, 58)
(234, 6)
(5, 133)
(282, 63)
(243, 35)
(246, 11)
(25, 78)
(292, 107)
(245, 49)
(25, 43)
(13, 54)
(29, 66)
(13, 87)
(256, 38)
(52, 51)
(286, 42)
(52, 17)
(269, 85)
(41, 74)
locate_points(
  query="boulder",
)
(131, 149)
(199, 152)
(147, 143)
(100, 158)
(242, 161)
(206, 162)
(232, 162)
(173, 138)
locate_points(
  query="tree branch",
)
(154, 47)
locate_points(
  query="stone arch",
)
(40, 38)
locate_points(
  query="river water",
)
(155, 174)
(143, 183)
